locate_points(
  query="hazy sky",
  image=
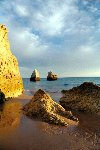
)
(58, 35)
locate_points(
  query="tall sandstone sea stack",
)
(10, 80)
(35, 76)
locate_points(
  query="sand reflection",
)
(10, 115)
(54, 129)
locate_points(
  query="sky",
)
(58, 35)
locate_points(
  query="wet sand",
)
(30, 134)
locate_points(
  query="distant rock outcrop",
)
(43, 107)
(85, 97)
(2, 97)
(10, 80)
(51, 76)
(35, 76)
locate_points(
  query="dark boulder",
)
(2, 97)
(85, 97)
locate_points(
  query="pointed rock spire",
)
(35, 75)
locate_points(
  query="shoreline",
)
(83, 136)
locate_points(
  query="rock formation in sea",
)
(85, 97)
(35, 76)
(10, 80)
(43, 107)
(2, 97)
(51, 76)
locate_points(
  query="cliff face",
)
(10, 80)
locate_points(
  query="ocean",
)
(54, 88)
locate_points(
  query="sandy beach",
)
(50, 75)
(24, 133)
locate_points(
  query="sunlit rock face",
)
(85, 97)
(51, 76)
(35, 75)
(10, 80)
(44, 108)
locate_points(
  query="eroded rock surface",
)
(85, 97)
(51, 76)
(43, 107)
(10, 80)
(35, 76)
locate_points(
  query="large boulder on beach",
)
(85, 97)
(10, 80)
(2, 97)
(43, 107)
(51, 76)
(35, 75)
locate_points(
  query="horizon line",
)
(68, 77)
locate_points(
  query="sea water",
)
(58, 85)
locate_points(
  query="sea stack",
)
(35, 76)
(51, 76)
(10, 80)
